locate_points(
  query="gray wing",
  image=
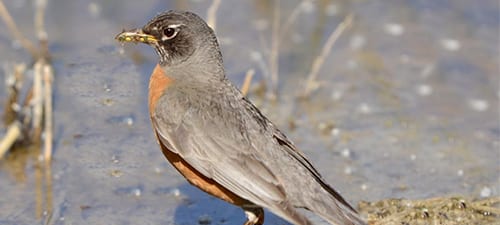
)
(226, 157)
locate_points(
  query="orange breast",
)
(158, 83)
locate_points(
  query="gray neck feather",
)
(203, 67)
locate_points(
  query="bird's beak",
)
(136, 36)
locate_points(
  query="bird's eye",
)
(169, 32)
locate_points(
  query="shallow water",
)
(408, 105)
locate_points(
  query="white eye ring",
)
(170, 32)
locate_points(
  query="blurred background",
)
(405, 105)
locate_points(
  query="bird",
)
(217, 139)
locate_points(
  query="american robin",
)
(217, 139)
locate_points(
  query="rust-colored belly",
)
(199, 180)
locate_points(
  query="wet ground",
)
(408, 105)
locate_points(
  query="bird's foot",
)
(255, 215)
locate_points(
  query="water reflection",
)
(17, 164)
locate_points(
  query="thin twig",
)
(11, 25)
(246, 83)
(40, 19)
(311, 83)
(37, 100)
(291, 19)
(41, 34)
(212, 13)
(273, 56)
(13, 133)
(48, 76)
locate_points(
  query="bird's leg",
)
(255, 215)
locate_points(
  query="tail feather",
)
(342, 216)
(335, 211)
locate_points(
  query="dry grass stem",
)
(291, 19)
(11, 25)
(273, 56)
(40, 19)
(37, 100)
(41, 33)
(48, 76)
(212, 13)
(13, 134)
(311, 83)
(246, 83)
